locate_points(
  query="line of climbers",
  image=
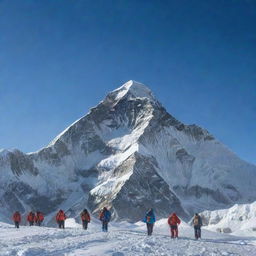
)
(173, 222)
(105, 217)
(32, 218)
(38, 218)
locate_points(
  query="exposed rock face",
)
(127, 153)
(144, 189)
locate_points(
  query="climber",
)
(197, 222)
(105, 217)
(17, 219)
(60, 218)
(31, 218)
(85, 217)
(150, 219)
(39, 218)
(173, 222)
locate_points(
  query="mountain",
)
(129, 154)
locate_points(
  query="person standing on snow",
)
(39, 218)
(105, 217)
(150, 219)
(60, 218)
(197, 222)
(85, 217)
(31, 218)
(17, 219)
(173, 222)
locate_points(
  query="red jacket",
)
(31, 217)
(39, 217)
(173, 220)
(16, 217)
(85, 216)
(60, 216)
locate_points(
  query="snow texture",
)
(239, 219)
(123, 239)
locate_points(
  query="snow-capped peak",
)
(127, 151)
(133, 90)
(4, 152)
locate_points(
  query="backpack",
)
(196, 220)
(173, 221)
(40, 217)
(85, 216)
(17, 217)
(101, 215)
(31, 217)
(60, 216)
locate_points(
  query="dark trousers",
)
(174, 231)
(197, 232)
(104, 226)
(39, 223)
(85, 224)
(17, 224)
(31, 223)
(61, 224)
(150, 228)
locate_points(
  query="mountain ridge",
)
(98, 159)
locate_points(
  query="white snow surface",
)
(122, 239)
(239, 219)
(135, 90)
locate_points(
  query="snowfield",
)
(122, 239)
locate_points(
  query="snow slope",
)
(123, 239)
(239, 219)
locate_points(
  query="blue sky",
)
(59, 58)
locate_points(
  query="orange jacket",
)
(60, 216)
(101, 214)
(31, 217)
(85, 216)
(16, 217)
(173, 220)
(39, 217)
